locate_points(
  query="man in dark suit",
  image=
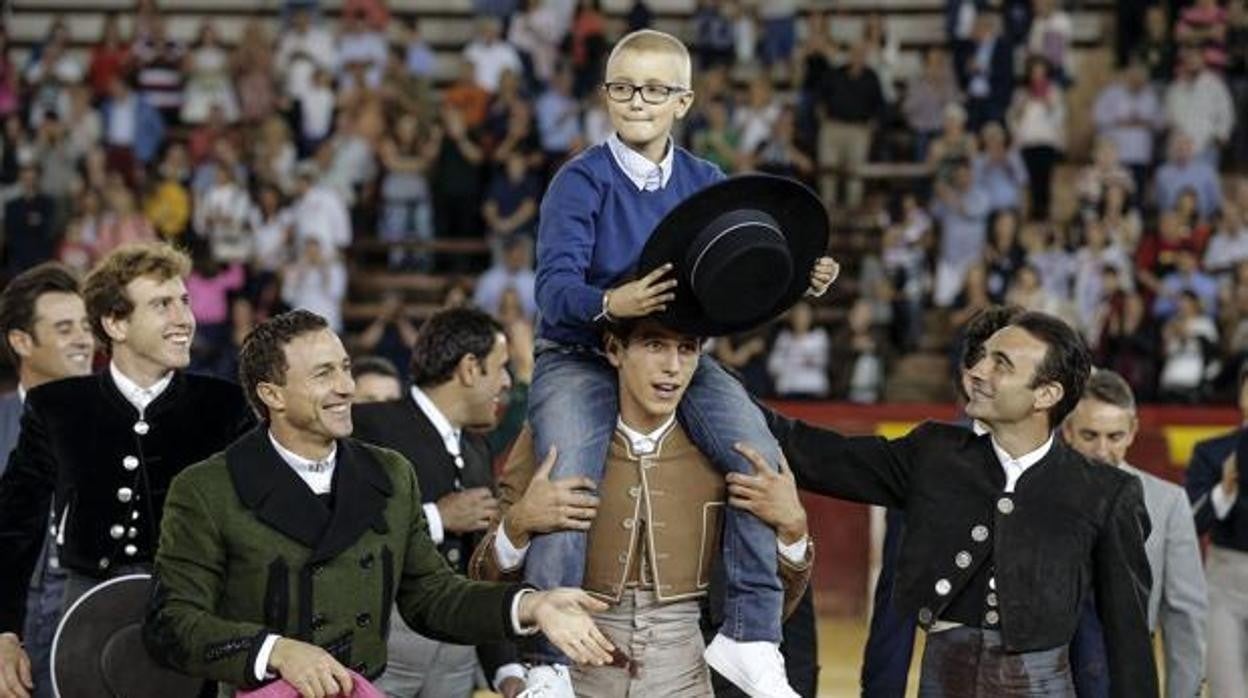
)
(1221, 509)
(105, 447)
(459, 374)
(1006, 532)
(48, 337)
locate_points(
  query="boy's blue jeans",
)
(573, 406)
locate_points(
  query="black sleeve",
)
(495, 655)
(1203, 474)
(25, 500)
(867, 469)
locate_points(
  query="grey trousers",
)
(1227, 574)
(967, 662)
(665, 644)
(424, 668)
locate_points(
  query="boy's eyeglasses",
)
(650, 94)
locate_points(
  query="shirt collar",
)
(136, 395)
(306, 465)
(448, 432)
(21, 393)
(646, 175)
(1026, 460)
(645, 444)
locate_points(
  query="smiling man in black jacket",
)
(1006, 533)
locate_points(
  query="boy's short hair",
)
(657, 42)
(104, 289)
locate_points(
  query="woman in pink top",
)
(210, 286)
(124, 223)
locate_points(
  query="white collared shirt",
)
(645, 444)
(135, 394)
(640, 170)
(318, 474)
(450, 440)
(1015, 467)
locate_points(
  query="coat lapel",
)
(360, 492)
(278, 496)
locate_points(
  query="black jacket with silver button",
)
(83, 443)
(1070, 528)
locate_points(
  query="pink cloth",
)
(210, 299)
(280, 689)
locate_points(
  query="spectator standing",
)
(511, 199)
(209, 81)
(713, 40)
(1199, 105)
(928, 96)
(1105, 171)
(513, 271)
(302, 50)
(109, 59)
(1004, 254)
(1038, 120)
(799, 358)
(1184, 171)
(490, 56)
(158, 59)
(1186, 277)
(456, 181)
(1128, 114)
(962, 210)
(223, 218)
(1000, 170)
(252, 66)
(1050, 37)
(320, 214)
(316, 281)
(559, 120)
(755, 120)
(124, 223)
(779, 35)
(133, 129)
(987, 75)
(29, 235)
(407, 208)
(849, 102)
(1189, 343)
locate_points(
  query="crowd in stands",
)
(270, 157)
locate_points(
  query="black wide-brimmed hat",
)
(98, 650)
(741, 251)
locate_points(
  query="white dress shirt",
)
(1222, 502)
(646, 175)
(450, 440)
(510, 557)
(135, 394)
(1015, 467)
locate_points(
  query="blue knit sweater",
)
(594, 223)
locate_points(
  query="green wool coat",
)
(246, 549)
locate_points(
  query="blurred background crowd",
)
(374, 161)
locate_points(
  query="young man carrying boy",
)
(596, 217)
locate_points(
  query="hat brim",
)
(800, 215)
(98, 652)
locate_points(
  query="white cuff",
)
(507, 671)
(794, 552)
(1222, 502)
(261, 668)
(508, 556)
(515, 614)
(436, 532)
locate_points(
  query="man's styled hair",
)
(373, 366)
(1110, 388)
(17, 301)
(446, 338)
(623, 330)
(104, 290)
(657, 42)
(262, 359)
(1066, 360)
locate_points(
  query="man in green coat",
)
(283, 555)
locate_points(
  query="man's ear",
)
(116, 328)
(1049, 395)
(23, 343)
(467, 370)
(272, 396)
(614, 350)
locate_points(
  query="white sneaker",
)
(755, 667)
(548, 681)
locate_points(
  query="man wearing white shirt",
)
(459, 376)
(651, 561)
(491, 56)
(100, 450)
(45, 330)
(1221, 509)
(1199, 104)
(1007, 533)
(284, 554)
(301, 51)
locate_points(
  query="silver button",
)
(141, 427)
(962, 560)
(103, 563)
(628, 523)
(925, 616)
(634, 491)
(134, 516)
(453, 555)
(117, 531)
(992, 618)
(129, 462)
(132, 532)
(623, 558)
(992, 583)
(943, 587)
(1005, 505)
(979, 534)
(131, 550)
(991, 598)
(125, 494)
